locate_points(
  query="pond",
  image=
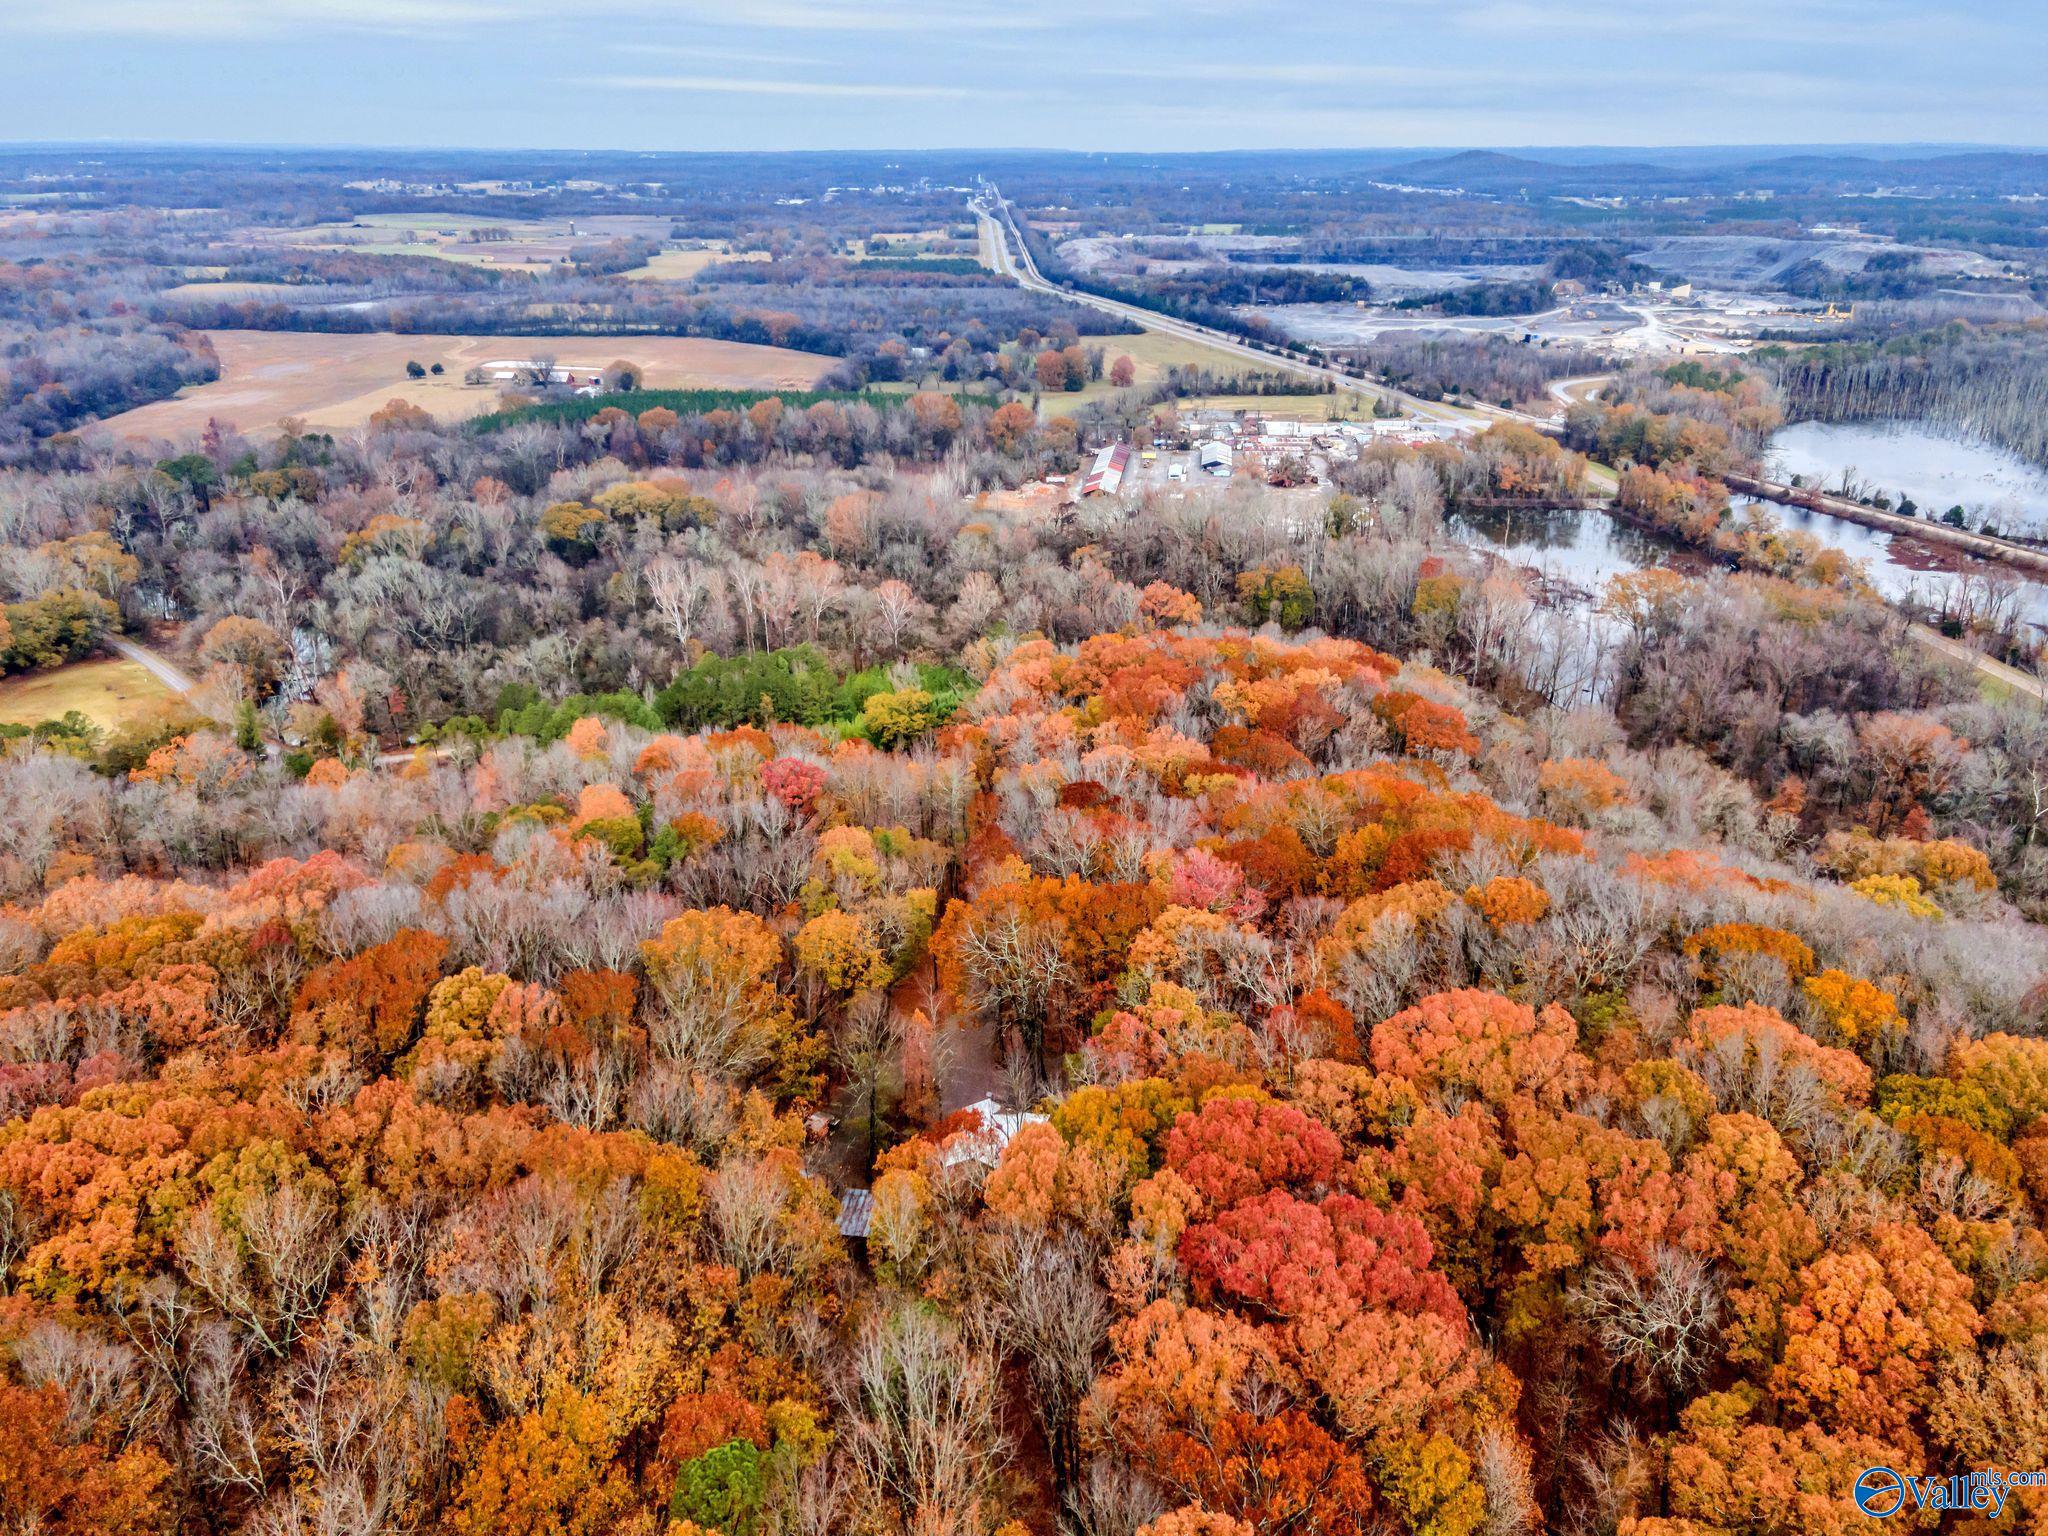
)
(1937, 469)
(1574, 553)
(1920, 575)
(1573, 550)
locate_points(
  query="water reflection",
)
(1919, 574)
(1937, 469)
(1577, 547)
(1574, 553)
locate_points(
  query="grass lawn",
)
(1347, 406)
(106, 692)
(1153, 353)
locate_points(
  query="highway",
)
(998, 233)
(1015, 262)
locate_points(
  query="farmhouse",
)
(521, 371)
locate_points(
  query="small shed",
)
(856, 1213)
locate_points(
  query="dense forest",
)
(736, 964)
(1418, 1105)
(1981, 381)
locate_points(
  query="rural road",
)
(2009, 676)
(997, 234)
(1570, 392)
(1019, 266)
(162, 670)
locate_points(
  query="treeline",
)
(349, 273)
(60, 377)
(1591, 262)
(1981, 381)
(1187, 289)
(687, 402)
(1515, 298)
(74, 341)
(1488, 367)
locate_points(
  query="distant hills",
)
(1812, 170)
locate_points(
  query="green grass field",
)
(1153, 353)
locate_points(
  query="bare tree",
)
(681, 589)
(1662, 1325)
(921, 1417)
(1051, 1310)
(1111, 1499)
(272, 1275)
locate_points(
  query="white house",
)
(986, 1145)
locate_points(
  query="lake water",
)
(1574, 552)
(1937, 470)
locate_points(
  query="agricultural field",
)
(910, 243)
(334, 383)
(506, 244)
(216, 288)
(107, 692)
(680, 266)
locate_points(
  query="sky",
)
(1060, 74)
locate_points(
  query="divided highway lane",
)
(1025, 271)
(999, 233)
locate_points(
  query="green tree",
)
(892, 719)
(196, 473)
(721, 1489)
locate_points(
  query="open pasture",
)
(334, 383)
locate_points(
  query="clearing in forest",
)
(107, 692)
(334, 383)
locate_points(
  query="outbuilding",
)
(1106, 474)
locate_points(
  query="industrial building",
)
(1106, 475)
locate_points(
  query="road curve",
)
(1998, 671)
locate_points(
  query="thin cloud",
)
(726, 85)
(261, 18)
(691, 51)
